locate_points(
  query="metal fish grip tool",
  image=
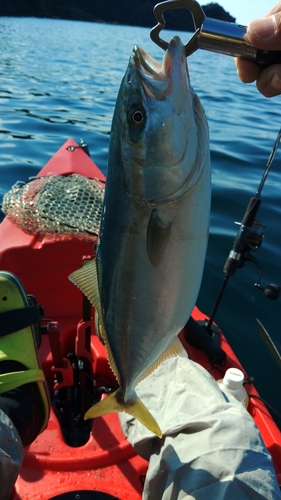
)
(212, 34)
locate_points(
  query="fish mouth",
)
(146, 64)
(156, 78)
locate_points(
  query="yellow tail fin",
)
(135, 408)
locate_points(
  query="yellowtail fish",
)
(154, 229)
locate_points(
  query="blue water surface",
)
(60, 79)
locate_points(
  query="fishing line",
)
(265, 174)
(269, 163)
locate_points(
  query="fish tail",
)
(135, 408)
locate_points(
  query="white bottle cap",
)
(233, 379)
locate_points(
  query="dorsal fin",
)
(86, 278)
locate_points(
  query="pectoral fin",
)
(134, 407)
(158, 235)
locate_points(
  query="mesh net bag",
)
(56, 206)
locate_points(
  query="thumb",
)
(265, 33)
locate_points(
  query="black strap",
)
(17, 319)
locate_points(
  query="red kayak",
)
(73, 459)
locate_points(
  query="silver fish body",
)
(154, 227)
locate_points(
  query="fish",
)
(145, 278)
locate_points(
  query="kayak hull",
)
(105, 464)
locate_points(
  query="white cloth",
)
(211, 448)
(11, 456)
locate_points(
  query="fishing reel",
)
(249, 239)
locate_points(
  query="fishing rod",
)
(249, 238)
(205, 334)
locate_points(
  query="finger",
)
(265, 33)
(248, 71)
(269, 81)
(275, 9)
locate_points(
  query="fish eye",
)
(136, 117)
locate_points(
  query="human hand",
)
(263, 34)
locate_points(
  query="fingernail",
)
(275, 82)
(263, 28)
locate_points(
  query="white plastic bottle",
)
(232, 385)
